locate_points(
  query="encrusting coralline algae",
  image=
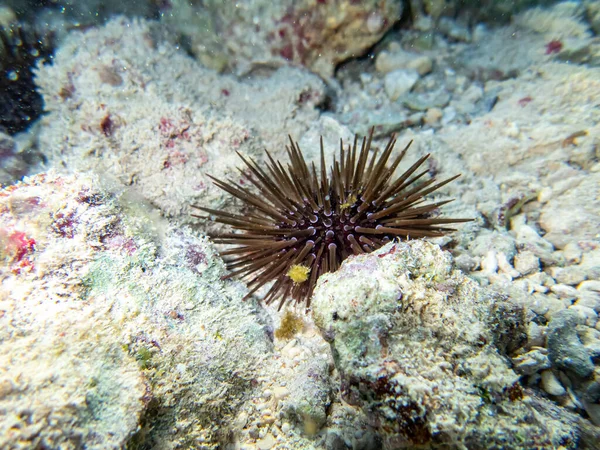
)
(118, 330)
(138, 109)
(421, 349)
(114, 324)
(98, 344)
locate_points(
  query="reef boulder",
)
(315, 34)
(420, 348)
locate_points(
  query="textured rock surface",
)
(412, 341)
(133, 107)
(565, 349)
(511, 108)
(111, 322)
(316, 34)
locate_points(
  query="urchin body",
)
(20, 103)
(305, 221)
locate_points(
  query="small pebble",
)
(375, 22)
(541, 278)
(554, 305)
(387, 62)
(572, 253)
(423, 23)
(589, 285)
(266, 443)
(473, 94)
(537, 303)
(511, 129)
(571, 275)
(588, 315)
(449, 115)
(565, 349)
(366, 78)
(526, 262)
(545, 195)
(266, 420)
(279, 393)
(422, 64)
(6, 388)
(480, 32)
(399, 82)
(590, 338)
(530, 239)
(532, 362)
(433, 116)
(589, 299)
(564, 291)
(593, 410)
(489, 264)
(551, 385)
(454, 30)
(506, 267)
(466, 262)
(535, 335)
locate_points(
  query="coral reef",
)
(417, 347)
(115, 327)
(315, 34)
(137, 109)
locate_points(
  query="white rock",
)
(593, 410)
(551, 385)
(433, 116)
(266, 442)
(506, 267)
(572, 253)
(526, 262)
(564, 291)
(400, 82)
(589, 299)
(489, 264)
(449, 115)
(589, 316)
(589, 285)
(535, 335)
(387, 62)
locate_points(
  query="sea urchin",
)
(20, 50)
(304, 222)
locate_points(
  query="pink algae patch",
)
(554, 46)
(18, 248)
